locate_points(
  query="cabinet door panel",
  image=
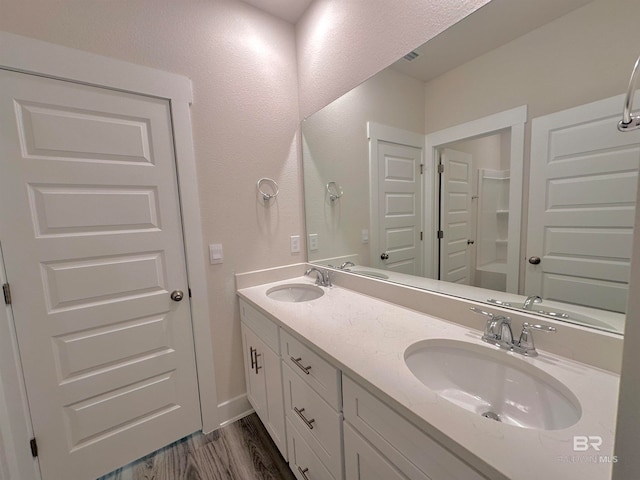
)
(363, 462)
(256, 387)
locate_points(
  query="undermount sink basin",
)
(295, 292)
(493, 383)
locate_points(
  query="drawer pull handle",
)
(300, 365)
(304, 473)
(308, 423)
(257, 367)
(252, 352)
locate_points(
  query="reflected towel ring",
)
(268, 196)
(334, 190)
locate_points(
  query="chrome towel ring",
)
(334, 190)
(274, 186)
(629, 122)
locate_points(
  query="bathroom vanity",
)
(332, 380)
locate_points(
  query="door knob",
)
(177, 295)
(384, 256)
(534, 260)
(470, 242)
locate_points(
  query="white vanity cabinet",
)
(394, 448)
(263, 373)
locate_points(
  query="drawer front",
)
(315, 420)
(400, 441)
(304, 464)
(314, 370)
(363, 462)
(261, 325)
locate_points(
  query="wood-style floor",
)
(240, 451)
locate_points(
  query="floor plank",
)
(240, 451)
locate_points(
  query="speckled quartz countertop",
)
(366, 338)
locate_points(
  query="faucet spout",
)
(323, 279)
(528, 303)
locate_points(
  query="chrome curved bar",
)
(629, 122)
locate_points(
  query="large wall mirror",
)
(486, 164)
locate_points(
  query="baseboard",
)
(234, 409)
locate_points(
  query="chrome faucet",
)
(498, 332)
(323, 278)
(347, 264)
(528, 303)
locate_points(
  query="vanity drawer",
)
(261, 325)
(304, 464)
(400, 441)
(314, 370)
(315, 420)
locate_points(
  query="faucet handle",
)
(491, 328)
(525, 343)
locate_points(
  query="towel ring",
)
(629, 122)
(268, 196)
(334, 190)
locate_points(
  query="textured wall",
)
(245, 122)
(342, 43)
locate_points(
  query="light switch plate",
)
(216, 255)
(313, 241)
(295, 243)
(365, 236)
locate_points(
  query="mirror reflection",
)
(500, 178)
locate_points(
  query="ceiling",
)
(495, 24)
(289, 10)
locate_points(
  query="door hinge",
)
(422, 169)
(6, 290)
(440, 168)
(189, 292)
(34, 447)
(440, 234)
(420, 235)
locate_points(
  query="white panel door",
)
(400, 207)
(581, 206)
(91, 232)
(455, 216)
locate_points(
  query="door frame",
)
(27, 55)
(513, 120)
(377, 132)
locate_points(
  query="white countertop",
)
(367, 338)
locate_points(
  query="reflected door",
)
(455, 216)
(400, 207)
(584, 176)
(91, 233)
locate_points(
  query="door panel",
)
(455, 217)
(400, 207)
(584, 176)
(91, 230)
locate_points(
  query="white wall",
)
(342, 43)
(336, 148)
(245, 123)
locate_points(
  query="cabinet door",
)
(263, 376)
(256, 385)
(363, 462)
